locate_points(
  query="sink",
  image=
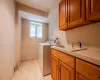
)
(71, 49)
(60, 46)
(75, 49)
(79, 49)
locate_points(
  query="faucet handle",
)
(80, 44)
(56, 40)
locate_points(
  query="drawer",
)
(55, 53)
(88, 70)
(64, 57)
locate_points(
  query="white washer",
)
(44, 58)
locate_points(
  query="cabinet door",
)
(54, 68)
(93, 10)
(76, 13)
(90, 71)
(63, 14)
(80, 77)
(66, 72)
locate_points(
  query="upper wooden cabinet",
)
(93, 10)
(76, 13)
(63, 15)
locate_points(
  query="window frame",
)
(36, 26)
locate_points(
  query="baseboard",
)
(29, 60)
(17, 66)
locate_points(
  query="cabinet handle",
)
(57, 67)
(67, 20)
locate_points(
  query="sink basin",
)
(74, 49)
(79, 49)
(60, 46)
(71, 49)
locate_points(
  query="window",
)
(35, 30)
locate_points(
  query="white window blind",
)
(35, 30)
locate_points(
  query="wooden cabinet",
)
(66, 72)
(63, 15)
(76, 13)
(71, 14)
(62, 66)
(64, 57)
(89, 71)
(80, 77)
(93, 10)
(66, 67)
(54, 68)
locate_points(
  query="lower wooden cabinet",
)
(80, 77)
(88, 70)
(62, 66)
(66, 72)
(66, 67)
(54, 68)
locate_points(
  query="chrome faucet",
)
(80, 44)
(56, 40)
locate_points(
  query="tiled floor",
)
(29, 70)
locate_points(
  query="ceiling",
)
(44, 5)
(33, 17)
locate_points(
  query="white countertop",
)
(91, 55)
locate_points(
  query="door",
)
(63, 16)
(66, 72)
(93, 10)
(76, 13)
(54, 68)
(80, 77)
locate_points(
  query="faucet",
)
(73, 45)
(80, 44)
(56, 40)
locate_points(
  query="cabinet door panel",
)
(63, 14)
(66, 73)
(88, 70)
(76, 13)
(80, 77)
(54, 68)
(93, 10)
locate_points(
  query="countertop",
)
(91, 55)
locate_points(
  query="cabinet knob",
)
(67, 20)
(57, 67)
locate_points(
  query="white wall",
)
(30, 45)
(54, 25)
(7, 44)
(89, 35)
(18, 37)
(18, 27)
